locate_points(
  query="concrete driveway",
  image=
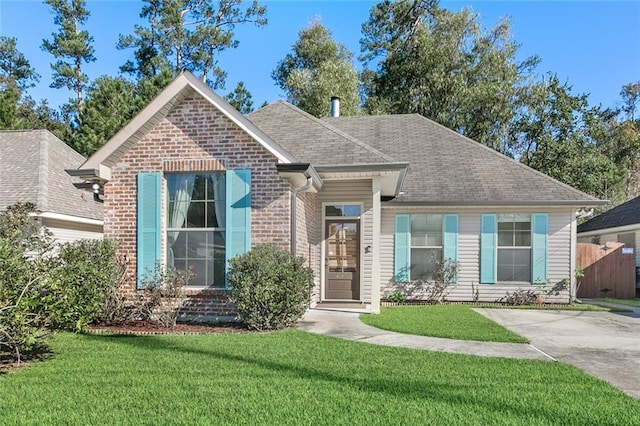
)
(604, 344)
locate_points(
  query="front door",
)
(342, 259)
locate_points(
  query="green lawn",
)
(630, 302)
(295, 378)
(448, 321)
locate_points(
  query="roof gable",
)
(32, 169)
(184, 86)
(623, 215)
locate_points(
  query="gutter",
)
(69, 218)
(294, 197)
(530, 203)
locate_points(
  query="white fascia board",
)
(616, 230)
(69, 218)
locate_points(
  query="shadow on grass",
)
(419, 388)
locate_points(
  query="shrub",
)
(270, 288)
(397, 297)
(25, 262)
(164, 295)
(88, 273)
(519, 297)
(429, 291)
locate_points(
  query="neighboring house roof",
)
(185, 85)
(448, 168)
(32, 169)
(623, 215)
(312, 140)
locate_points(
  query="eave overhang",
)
(298, 173)
(391, 175)
(497, 203)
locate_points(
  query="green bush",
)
(270, 288)
(83, 284)
(25, 262)
(164, 294)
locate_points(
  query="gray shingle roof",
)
(623, 215)
(446, 167)
(311, 140)
(32, 169)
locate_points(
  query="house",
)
(368, 201)
(620, 224)
(32, 169)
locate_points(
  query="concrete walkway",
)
(347, 325)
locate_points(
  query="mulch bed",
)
(148, 328)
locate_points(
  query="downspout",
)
(294, 196)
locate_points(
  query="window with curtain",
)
(196, 226)
(514, 247)
(426, 245)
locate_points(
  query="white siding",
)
(559, 253)
(353, 192)
(64, 232)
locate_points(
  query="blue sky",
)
(594, 45)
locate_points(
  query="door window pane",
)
(350, 210)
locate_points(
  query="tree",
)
(240, 99)
(18, 110)
(558, 134)
(317, 69)
(110, 103)
(188, 34)
(620, 140)
(14, 66)
(630, 94)
(71, 47)
(444, 66)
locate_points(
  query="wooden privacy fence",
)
(609, 271)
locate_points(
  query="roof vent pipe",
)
(335, 106)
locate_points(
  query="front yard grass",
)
(629, 302)
(448, 321)
(295, 378)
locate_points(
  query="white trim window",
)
(426, 246)
(196, 226)
(514, 248)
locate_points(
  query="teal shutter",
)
(238, 214)
(539, 236)
(450, 239)
(148, 224)
(402, 248)
(488, 249)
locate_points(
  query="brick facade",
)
(194, 137)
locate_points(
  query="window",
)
(349, 210)
(426, 245)
(514, 247)
(421, 242)
(196, 226)
(629, 239)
